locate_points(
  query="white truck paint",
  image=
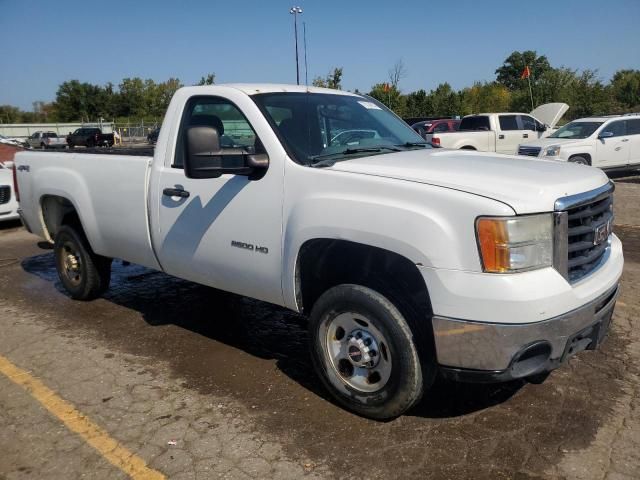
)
(502, 132)
(382, 242)
(610, 143)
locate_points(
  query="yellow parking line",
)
(75, 421)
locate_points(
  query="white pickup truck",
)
(502, 132)
(408, 261)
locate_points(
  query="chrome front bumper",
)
(498, 351)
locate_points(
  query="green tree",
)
(210, 79)
(418, 104)
(445, 101)
(390, 96)
(508, 74)
(79, 101)
(332, 80)
(485, 97)
(625, 87)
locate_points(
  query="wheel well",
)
(325, 263)
(468, 147)
(584, 155)
(56, 212)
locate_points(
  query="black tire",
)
(85, 276)
(580, 160)
(467, 147)
(404, 386)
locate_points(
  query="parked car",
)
(8, 202)
(89, 137)
(427, 128)
(502, 132)
(45, 140)
(16, 142)
(407, 261)
(152, 137)
(611, 143)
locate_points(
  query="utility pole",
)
(295, 11)
(306, 68)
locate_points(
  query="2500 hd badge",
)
(249, 246)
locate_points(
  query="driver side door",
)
(225, 232)
(613, 151)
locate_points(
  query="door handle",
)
(175, 192)
(500, 137)
(624, 140)
(525, 135)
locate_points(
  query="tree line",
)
(136, 99)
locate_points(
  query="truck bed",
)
(111, 186)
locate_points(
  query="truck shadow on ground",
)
(260, 329)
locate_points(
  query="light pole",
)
(295, 11)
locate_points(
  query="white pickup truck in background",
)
(45, 140)
(409, 261)
(502, 132)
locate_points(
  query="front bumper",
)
(483, 351)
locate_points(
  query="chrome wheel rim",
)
(358, 352)
(71, 263)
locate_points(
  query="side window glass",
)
(233, 128)
(617, 128)
(508, 122)
(633, 127)
(528, 123)
(442, 127)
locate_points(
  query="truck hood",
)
(550, 113)
(527, 185)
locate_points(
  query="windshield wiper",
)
(413, 144)
(319, 160)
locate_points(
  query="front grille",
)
(584, 222)
(5, 194)
(529, 151)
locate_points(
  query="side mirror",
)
(9, 164)
(204, 158)
(605, 135)
(542, 128)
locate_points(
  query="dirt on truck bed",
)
(190, 382)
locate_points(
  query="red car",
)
(427, 128)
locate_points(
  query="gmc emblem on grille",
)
(601, 233)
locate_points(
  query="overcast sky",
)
(252, 41)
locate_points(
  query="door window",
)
(441, 127)
(528, 123)
(508, 122)
(633, 127)
(618, 128)
(233, 128)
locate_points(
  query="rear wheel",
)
(364, 352)
(580, 160)
(84, 274)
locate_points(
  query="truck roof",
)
(255, 88)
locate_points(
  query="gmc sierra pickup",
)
(408, 261)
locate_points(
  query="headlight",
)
(552, 151)
(512, 244)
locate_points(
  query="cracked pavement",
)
(203, 384)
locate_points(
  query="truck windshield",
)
(316, 127)
(576, 130)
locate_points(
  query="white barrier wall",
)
(24, 130)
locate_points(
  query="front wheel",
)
(84, 274)
(364, 352)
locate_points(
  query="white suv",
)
(610, 142)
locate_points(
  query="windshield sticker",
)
(369, 105)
